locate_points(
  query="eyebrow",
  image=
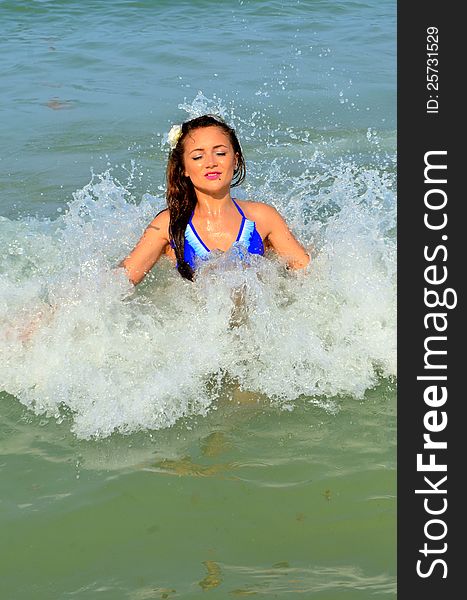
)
(218, 146)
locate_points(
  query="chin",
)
(215, 189)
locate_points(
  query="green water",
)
(252, 498)
(246, 501)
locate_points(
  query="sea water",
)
(235, 435)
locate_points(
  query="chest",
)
(218, 234)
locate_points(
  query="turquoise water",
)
(157, 443)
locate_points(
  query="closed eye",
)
(218, 154)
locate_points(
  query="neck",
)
(212, 206)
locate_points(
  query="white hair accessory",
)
(174, 135)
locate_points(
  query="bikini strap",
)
(238, 208)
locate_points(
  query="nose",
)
(211, 160)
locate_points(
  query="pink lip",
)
(212, 175)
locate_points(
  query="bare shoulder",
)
(160, 223)
(258, 210)
(266, 217)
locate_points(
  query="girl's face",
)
(209, 159)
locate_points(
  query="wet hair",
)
(181, 196)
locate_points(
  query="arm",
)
(149, 248)
(283, 241)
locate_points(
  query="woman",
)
(204, 163)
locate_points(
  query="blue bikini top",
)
(248, 237)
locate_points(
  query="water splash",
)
(77, 341)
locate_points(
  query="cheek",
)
(190, 170)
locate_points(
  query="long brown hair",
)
(181, 196)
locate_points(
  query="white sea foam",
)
(77, 339)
